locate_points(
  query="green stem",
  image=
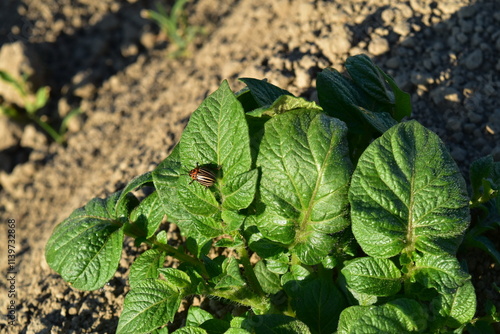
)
(183, 257)
(53, 133)
(244, 296)
(132, 231)
(249, 272)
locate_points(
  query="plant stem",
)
(249, 272)
(53, 133)
(183, 257)
(246, 297)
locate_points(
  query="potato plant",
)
(355, 217)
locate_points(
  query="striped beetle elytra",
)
(202, 175)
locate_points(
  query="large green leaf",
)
(275, 324)
(146, 266)
(441, 272)
(376, 277)
(166, 180)
(407, 194)
(398, 316)
(85, 248)
(148, 215)
(263, 92)
(217, 133)
(305, 174)
(217, 138)
(318, 304)
(148, 306)
(456, 308)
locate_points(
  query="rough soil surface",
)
(102, 56)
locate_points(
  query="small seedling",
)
(175, 26)
(352, 216)
(32, 104)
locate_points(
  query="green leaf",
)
(148, 215)
(139, 181)
(441, 272)
(269, 281)
(380, 121)
(457, 308)
(190, 330)
(293, 279)
(217, 133)
(166, 181)
(305, 174)
(403, 100)
(398, 316)
(196, 199)
(367, 77)
(378, 277)
(176, 277)
(231, 276)
(339, 98)
(318, 304)
(263, 92)
(278, 263)
(484, 179)
(41, 98)
(276, 324)
(196, 316)
(283, 104)
(265, 248)
(146, 266)
(238, 193)
(86, 247)
(18, 85)
(216, 326)
(232, 220)
(148, 306)
(246, 99)
(407, 194)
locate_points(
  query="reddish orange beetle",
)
(202, 175)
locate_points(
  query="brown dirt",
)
(102, 56)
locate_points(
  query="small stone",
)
(475, 117)
(33, 138)
(10, 133)
(402, 28)
(418, 78)
(378, 46)
(461, 38)
(494, 121)
(452, 95)
(387, 16)
(454, 124)
(393, 62)
(466, 12)
(474, 60)
(72, 311)
(458, 153)
(148, 40)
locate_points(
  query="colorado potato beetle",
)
(202, 175)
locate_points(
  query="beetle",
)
(202, 175)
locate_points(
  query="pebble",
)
(458, 153)
(387, 16)
(474, 60)
(393, 62)
(10, 133)
(418, 78)
(475, 117)
(378, 45)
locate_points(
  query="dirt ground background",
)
(103, 57)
